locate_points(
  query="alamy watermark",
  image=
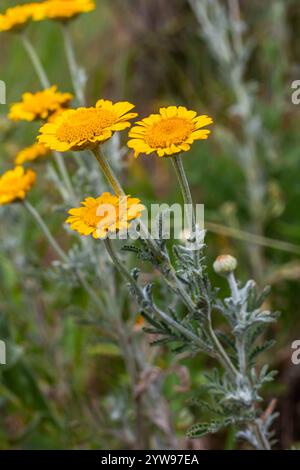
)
(296, 353)
(296, 93)
(2, 92)
(2, 353)
(160, 221)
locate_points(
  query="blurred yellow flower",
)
(16, 18)
(80, 128)
(104, 215)
(14, 184)
(31, 153)
(63, 10)
(39, 105)
(172, 131)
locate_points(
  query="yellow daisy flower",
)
(39, 105)
(16, 18)
(104, 215)
(77, 129)
(171, 131)
(63, 10)
(31, 153)
(14, 184)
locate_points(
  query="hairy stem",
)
(75, 71)
(185, 191)
(108, 172)
(59, 159)
(40, 71)
(261, 438)
(188, 205)
(37, 65)
(141, 297)
(63, 256)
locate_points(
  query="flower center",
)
(85, 124)
(168, 131)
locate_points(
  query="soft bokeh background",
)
(57, 392)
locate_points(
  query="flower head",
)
(104, 215)
(16, 18)
(80, 128)
(39, 105)
(171, 131)
(63, 10)
(225, 264)
(14, 184)
(31, 153)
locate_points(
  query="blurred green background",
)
(60, 392)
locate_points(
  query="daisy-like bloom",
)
(104, 215)
(16, 18)
(31, 153)
(63, 10)
(39, 105)
(170, 132)
(14, 184)
(81, 128)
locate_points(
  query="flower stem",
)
(59, 159)
(188, 207)
(221, 353)
(38, 67)
(163, 260)
(141, 297)
(261, 438)
(38, 219)
(108, 172)
(186, 192)
(34, 213)
(75, 71)
(40, 71)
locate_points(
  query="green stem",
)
(188, 208)
(242, 361)
(73, 66)
(34, 213)
(186, 192)
(38, 67)
(36, 216)
(221, 353)
(108, 172)
(141, 298)
(59, 159)
(169, 273)
(260, 436)
(40, 71)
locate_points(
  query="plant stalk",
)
(75, 71)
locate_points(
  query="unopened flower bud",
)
(225, 264)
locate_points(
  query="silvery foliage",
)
(235, 393)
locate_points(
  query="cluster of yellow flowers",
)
(16, 18)
(15, 184)
(170, 132)
(40, 105)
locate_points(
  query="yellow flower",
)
(39, 105)
(80, 128)
(16, 18)
(171, 131)
(14, 184)
(31, 153)
(63, 10)
(104, 215)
